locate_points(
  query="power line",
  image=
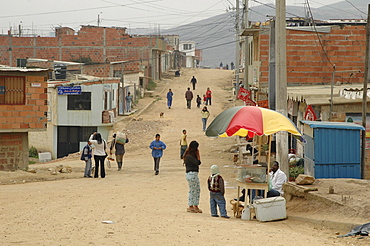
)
(318, 36)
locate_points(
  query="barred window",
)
(79, 102)
(12, 90)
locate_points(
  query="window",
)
(12, 90)
(187, 46)
(79, 102)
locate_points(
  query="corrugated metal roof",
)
(324, 29)
(335, 125)
(21, 69)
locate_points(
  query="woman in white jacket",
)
(99, 153)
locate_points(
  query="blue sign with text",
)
(69, 90)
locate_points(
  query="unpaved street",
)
(145, 209)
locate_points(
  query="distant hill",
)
(216, 35)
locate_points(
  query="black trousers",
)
(99, 160)
(156, 163)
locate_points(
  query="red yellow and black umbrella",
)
(250, 120)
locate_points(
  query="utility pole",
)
(99, 18)
(246, 47)
(237, 47)
(364, 96)
(281, 84)
(272, 68)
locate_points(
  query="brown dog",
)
(161, 114)
(237, 208)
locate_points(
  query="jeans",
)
(208, 99)
(169, 102)
(216, 198)
(156, 163)
(99, 159)
(194, 188)
(128, 106)
(273, 193)
(182, 150)
(88, 168)
(204, 120)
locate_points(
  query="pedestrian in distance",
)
(169, 98)
(86, 156)
(199, 101)
(204, 99)
(119, 151)
(208, 96)
(183, 144)
(99, 153)
(157, 147)
(128, 102)
(193, 81)
(188, 97)
(205, 114)
(216, 189)
(192, 162)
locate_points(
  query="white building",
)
(189, 48)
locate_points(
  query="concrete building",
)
(23, 108)
(189, 48)
(77, 108)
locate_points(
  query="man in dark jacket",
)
(188, 97)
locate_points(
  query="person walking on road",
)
(86, 156)
(169, 98)
(119, 151)
(183, 144)
(157, 147)
(208, 96)
(192, 162)
(205, 114)
(99, 153)
(193, 81)
(188, 97)
(199, 101)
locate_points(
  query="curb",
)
(335, 225)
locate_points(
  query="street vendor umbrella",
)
(250, 120)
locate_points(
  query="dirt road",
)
(145, 209)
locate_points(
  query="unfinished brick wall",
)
(32, 114)
(307, 64)
(100, 44)
(13, 151)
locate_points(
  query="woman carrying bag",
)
(99, 153)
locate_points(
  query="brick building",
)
(23, 108)
(92, 45)
(322, 61)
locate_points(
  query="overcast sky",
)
(40, 16)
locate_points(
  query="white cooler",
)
(268, 209)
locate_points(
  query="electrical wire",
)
(318, 36)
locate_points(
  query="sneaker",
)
(226, 217)
(119, 169)
(156, 172)
(215, 215)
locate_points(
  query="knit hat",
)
(215, 169)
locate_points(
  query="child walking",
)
(86, 156)
(216, 189)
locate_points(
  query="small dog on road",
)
(161, 114)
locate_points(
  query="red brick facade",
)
(17, 119)
(307, 64)
(95, 44)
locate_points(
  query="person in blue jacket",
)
(169, 98)
(157, 147)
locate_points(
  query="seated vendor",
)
(277, 178)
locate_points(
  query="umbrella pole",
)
(259, 148)
(269, 156)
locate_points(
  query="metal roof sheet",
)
(335, 125)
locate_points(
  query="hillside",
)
(216, 35)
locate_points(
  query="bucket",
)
(246, 215)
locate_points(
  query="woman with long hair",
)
(192, 162)
(99, 153)
(205, 114)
